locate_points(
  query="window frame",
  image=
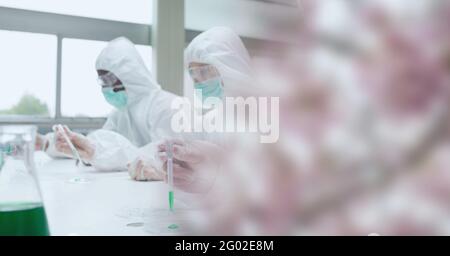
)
(73, 27)
(77, 27)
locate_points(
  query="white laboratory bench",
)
(83, 201)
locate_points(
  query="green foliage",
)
(28, 105)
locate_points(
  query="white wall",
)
(247, 18)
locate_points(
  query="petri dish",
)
(166, 222)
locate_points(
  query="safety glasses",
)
(203, 73)
(109, 80)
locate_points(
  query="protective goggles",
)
(203, 73)
(107, 80)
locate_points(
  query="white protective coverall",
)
(222, 48)
(146, 118)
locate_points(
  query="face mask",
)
(117, 99)
(210, 88)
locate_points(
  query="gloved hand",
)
(195, 164)
(85, 148)
(142, 170)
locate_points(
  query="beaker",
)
(21, 208)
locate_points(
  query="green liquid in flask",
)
(23, 219)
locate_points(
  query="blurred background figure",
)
(364, 116)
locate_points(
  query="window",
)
(28, 65)
(80, 94)
(30, 60)
(134, 11)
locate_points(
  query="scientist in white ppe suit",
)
(220, 66)
(141, 117)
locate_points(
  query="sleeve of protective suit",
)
(149, 152)
(112, 151)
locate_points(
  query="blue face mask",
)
(210, 88)
(117, 99)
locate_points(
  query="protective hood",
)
(148, 107)
(122, 59)
(223, 49)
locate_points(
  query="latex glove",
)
(49, 147)
(195, 164)
(85, 148)
(142, 170)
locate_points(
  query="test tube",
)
(170, 175)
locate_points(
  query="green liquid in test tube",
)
(170, 181)
(170, 174)
(171, 200)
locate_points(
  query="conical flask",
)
(21, 208)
